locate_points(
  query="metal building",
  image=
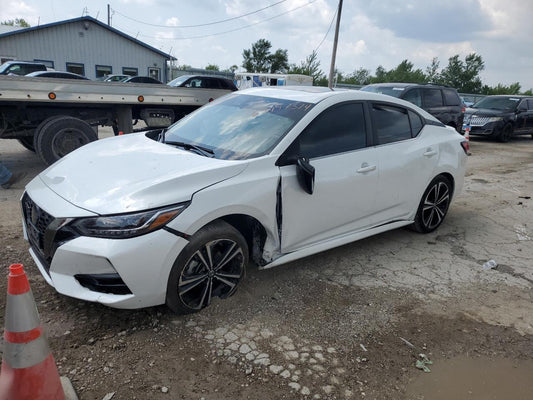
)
(84, 46)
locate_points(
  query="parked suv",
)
(204, 82)
(442, 102)
(501, 117)
(20, 67)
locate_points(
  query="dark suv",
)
(204, 82)
(442, 102)
(501, 117)
(20, 67)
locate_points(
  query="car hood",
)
(131, 173)
(486, 111)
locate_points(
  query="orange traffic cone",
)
(28, 370)
(467, 138)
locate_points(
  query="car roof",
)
(518, 96)
(44, 73)
(315, 94)
(203, 76)
(406, 84)
(23, 62)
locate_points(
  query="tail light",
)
(466, 147)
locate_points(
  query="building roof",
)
(8, 28)
(89, 19)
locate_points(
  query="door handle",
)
(430, 152)
(366, 168)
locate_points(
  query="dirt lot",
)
(348, 323)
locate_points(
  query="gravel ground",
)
(348, 323)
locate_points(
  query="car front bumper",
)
(141, 265)
(488, 129)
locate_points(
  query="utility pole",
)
(108, 15)
(334, 53)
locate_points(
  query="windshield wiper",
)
(204, 151)
(162, 135)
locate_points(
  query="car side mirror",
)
(522, 108)
(306, 174)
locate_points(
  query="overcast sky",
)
(373, 32)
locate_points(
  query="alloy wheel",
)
(214, 270)
(435, 205)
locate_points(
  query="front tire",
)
(434, 205)
(506, 133)
(211, 265)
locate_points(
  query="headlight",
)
(123, 226)
(494, 119)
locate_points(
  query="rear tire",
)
(434, 205)
(211, 265)
(60, 135)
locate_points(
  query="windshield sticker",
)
(398, 88)
(513, 99)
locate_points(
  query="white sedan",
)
(269, 175)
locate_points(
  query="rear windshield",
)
(498, 103)
(390, 90)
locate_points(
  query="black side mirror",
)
(306, 174)
(522, 108)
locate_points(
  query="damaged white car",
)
(265, 175)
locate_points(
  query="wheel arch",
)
(448, 176)
(251, 229)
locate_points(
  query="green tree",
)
(310, 66)
(432, 71)
(464, 76)
(212, 67)
(260, 59)
(405, 72)
(381, 75)
(20, 22)
(513, 88)
(360, 76)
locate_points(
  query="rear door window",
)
(391, 124)
(432, 98)
(451, 97)
(413, 96)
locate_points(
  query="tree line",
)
(460, 74)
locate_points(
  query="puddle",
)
(474, 379)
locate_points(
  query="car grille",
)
(45, 232)
(477, 121)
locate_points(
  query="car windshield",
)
(498, 103)
(179, 80)
(390, 90)
(239, 126)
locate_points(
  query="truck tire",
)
(27, 142)
(38, 129)
(61, 135)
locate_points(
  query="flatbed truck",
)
(52, 116)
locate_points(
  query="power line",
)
(206, 24)
(229, 31)
(326, 35)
